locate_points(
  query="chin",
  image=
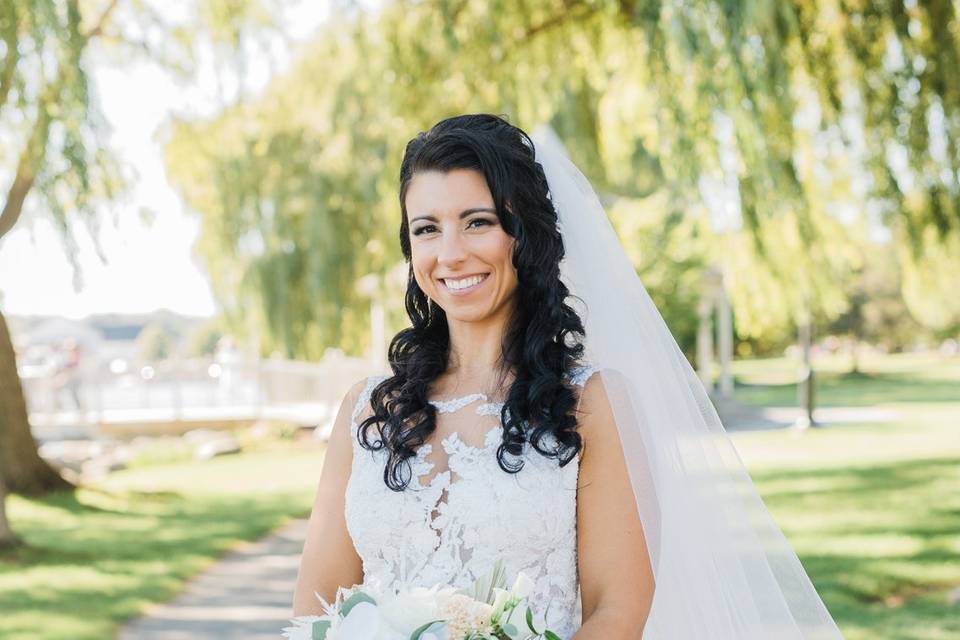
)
(466, 315)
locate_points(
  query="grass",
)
(873, 510)
(100, 556)
(901, 379)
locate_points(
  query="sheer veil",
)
(722, 566)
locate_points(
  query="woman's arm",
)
(616, 579)
(329, 559)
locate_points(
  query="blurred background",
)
(198, 257)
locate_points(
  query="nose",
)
(452, 250)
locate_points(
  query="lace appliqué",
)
(453, 528)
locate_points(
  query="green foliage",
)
(203, 340)
(298, 189)
(155, 343)
(930, 281)
(876, 310)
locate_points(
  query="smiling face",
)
(461, 255)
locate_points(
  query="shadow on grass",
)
(117, 560)
(883, 554)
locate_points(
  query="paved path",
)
(737, 416)
(247, 595)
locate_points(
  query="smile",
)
(461, 286)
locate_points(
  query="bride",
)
(539, 413)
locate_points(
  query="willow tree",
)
(55, 158)
(46, 109)
(297, 189)
(779, 101)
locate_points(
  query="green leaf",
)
(551, 635)
(433, 625)
(353, 601)
(319, 630)
(530, 621)
(510, 629)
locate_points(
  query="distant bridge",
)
(173, 397)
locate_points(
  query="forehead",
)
(447, 192)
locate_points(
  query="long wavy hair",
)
(543, 340)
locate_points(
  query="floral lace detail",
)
(417, 537)
(449, 406)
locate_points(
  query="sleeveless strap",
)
(364, 399)
(579, 377)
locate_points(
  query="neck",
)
(476, 349)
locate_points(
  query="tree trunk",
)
(7, 537)
(855, 354)
(21, 467)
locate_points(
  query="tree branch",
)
(101, 21)
(32, 154)
(12, 57)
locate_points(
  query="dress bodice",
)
(461, 512)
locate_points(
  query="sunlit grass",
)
(98, 557)
(873, 510)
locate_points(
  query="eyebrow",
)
(463, 214)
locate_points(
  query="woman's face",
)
(461, 256)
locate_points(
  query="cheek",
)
(421, 262)
(498, 249)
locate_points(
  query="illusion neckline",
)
(450, 405)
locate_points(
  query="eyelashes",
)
(479, 222)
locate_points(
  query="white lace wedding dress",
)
(462, 512)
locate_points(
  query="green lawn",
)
(99, 557)
(873, 510)
(902, 379)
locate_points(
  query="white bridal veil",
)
(723, 568)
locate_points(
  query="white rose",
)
(405, 612)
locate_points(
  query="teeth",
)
(463, 283)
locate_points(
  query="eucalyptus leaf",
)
(550, 635)
(353, 601)
(319, 630)
(530, 621)
(433, 625)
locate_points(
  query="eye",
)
(423, 229)
(480, 222)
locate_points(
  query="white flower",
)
(500, 599)
(407, 611)
(522, 586)
(362, 623)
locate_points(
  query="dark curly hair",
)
(543, 341)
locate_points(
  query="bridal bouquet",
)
(485, 611)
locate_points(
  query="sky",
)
(148, 267)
